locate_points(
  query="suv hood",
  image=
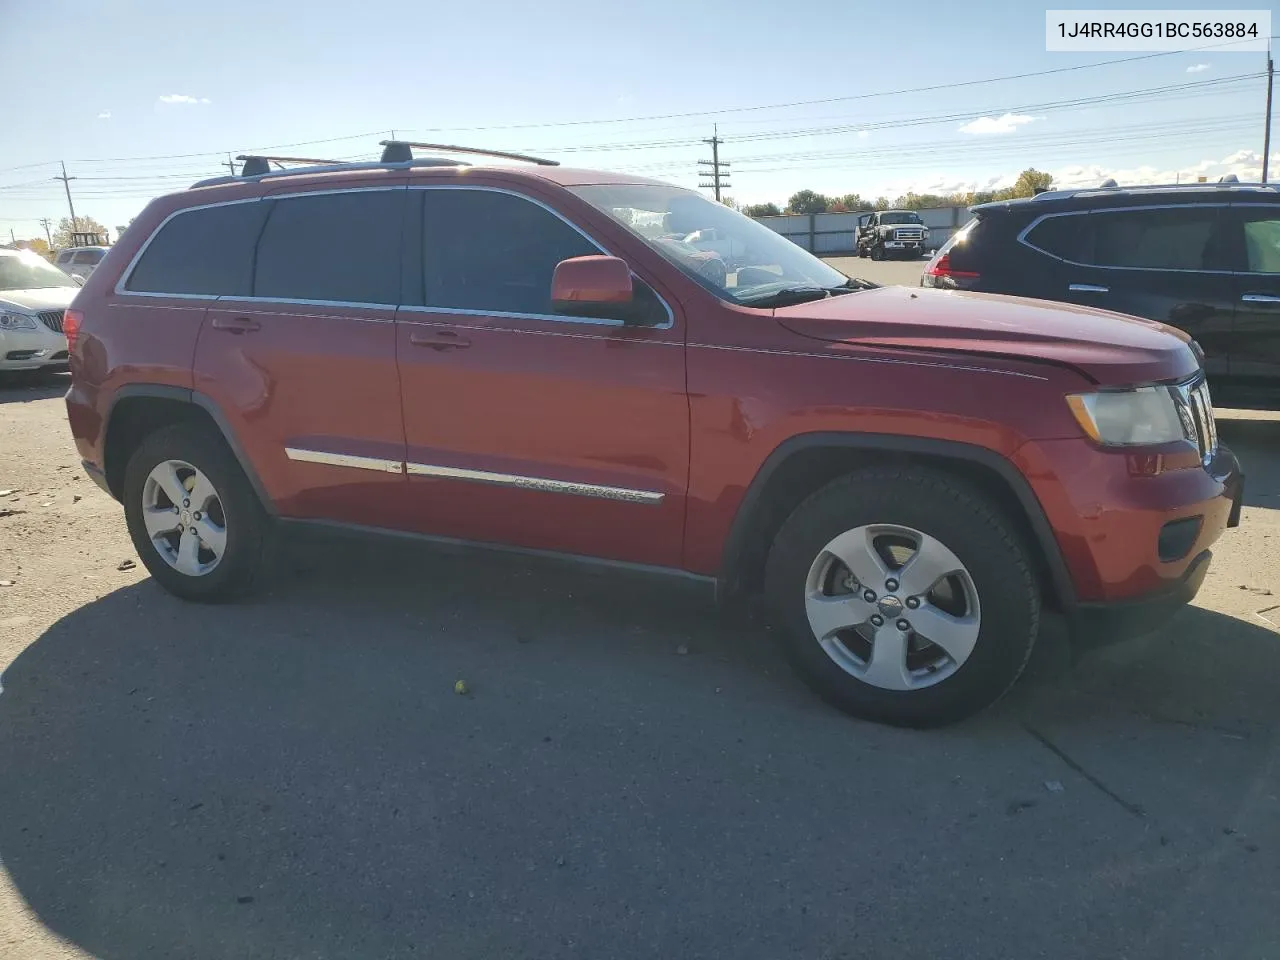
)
(42, 298)
(1109, 348)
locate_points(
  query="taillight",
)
(941, 267)
(71, 321)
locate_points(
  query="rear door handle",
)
(235, 324)
(1259, 298)
(1088, 288)
(439, 340)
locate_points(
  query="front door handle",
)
(1259, 298)
(235, 324)
(1088, 288)
(439, 340)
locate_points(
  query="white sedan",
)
(33, 298)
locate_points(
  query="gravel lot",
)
(633, 774)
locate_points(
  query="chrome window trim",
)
(125, 276)
(359, 305)
(120, 290)
(379, 464)
(543, 332)
(121, 284)
(504, 314)
(539, 484)
(671, 317)
(1022, 237)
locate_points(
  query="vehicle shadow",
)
(24, 385)
(628, 772)
(1256, 442)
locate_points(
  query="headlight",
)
(1125, 418)
(16, 321)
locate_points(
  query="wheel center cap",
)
(889, 606)
(186, 517)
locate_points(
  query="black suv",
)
(1201, 257)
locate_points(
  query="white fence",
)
(833, 233)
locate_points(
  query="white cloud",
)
(1007, 123)
(863, 134)
(105, 115)
(1245, 164)
(182, 98)
(1198, 68)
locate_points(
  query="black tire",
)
(977, 532)
(246, 523)
(877, 252)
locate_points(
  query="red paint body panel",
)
(1107, 347)
(689, 411)
(581, 402)
(1107, 521)
(321, 378)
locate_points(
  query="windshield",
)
(28, 271)
(732, 255)
(900, 218)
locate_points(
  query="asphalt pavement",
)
(632, 772)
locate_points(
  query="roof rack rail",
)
(401, 151)
(256, 164)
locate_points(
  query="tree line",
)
(1030, 182)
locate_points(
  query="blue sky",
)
(130, 84)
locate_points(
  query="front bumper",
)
(1099, 624)
(31, 349)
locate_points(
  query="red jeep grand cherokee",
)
(541, 358)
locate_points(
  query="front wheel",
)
(877, 252)
(193, 517)
(903, 596)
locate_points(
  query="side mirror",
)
(595, 287)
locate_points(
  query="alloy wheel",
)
(184, 517)
(892, 606)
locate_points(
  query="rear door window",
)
(205, 251)
(1066, 236)
(342, 247)
(1180, 238)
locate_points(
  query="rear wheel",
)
(903, 596)
(194, 519)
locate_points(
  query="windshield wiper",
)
(851, 284)
(788, 296)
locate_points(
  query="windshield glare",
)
(900, 218)
(28, 271)
(735, 257)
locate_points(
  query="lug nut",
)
(877, 620)
(196, 515)
(891, 585)
(869, 596)
(186, 503)
(904, 626)
(913, 602)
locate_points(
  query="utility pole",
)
(719, 170)
(1266, 139)
(230, 165)
(66, 182)
(44, 222)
